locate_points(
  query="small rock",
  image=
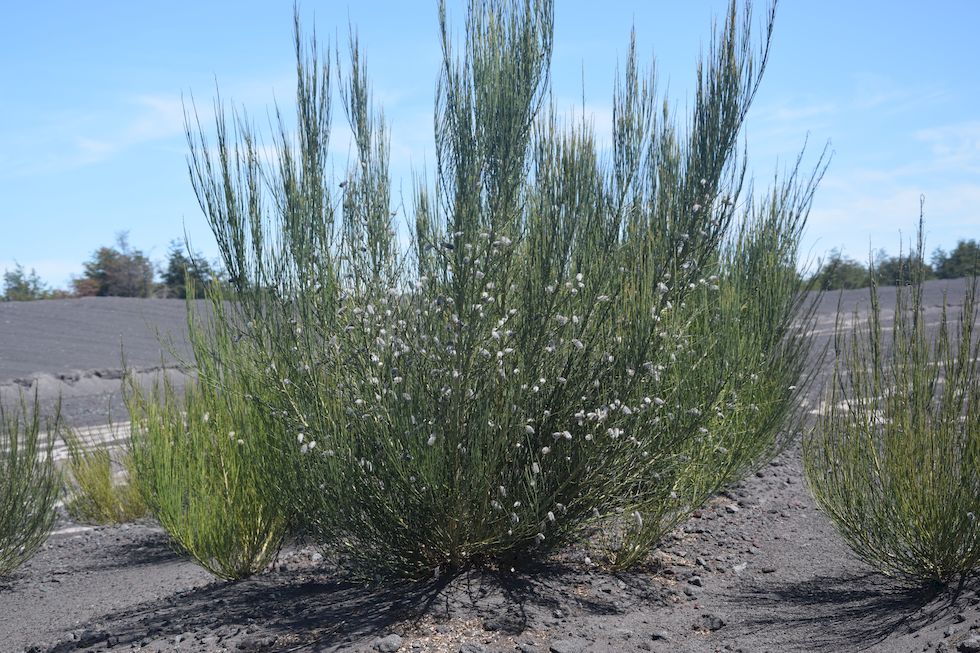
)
(971, 645)
(959, 618)
(623, 633)
(472, 647)
(388, 644)
(732, 508)
(696, 581)
(567, 646)
(740, 567)
(712, 622)
(659, 635)
(768, 570)
(527, 647)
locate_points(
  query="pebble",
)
(712, 622)
(659, 635)
(567, 646)
(971, 645)
(696, 581)
(388, 644)
(732, 508)
(472, 647)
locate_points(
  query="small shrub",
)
(895, 459)
(103, 488)
(558, 346)
(29, 483)
(200, 461)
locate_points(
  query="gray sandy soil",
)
(758, 569)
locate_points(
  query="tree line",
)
(839, 272)
(119, 271)
(122, 271)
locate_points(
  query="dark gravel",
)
(758, 569)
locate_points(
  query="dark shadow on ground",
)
(832, 613)
(327, 610)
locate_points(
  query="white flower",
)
(206, 417)
(602, 298)
(432, 440)
(578, 343)
(551, 516)
(300, 437)
(638, 518)
(539, 538)
(535, 468)
(614, 432)
(545, 451)
(529, 429)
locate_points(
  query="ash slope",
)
(759, 569)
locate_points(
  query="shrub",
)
(29, 483)
(200, 460)
(894, 459)
(96, 494)
(562, 344)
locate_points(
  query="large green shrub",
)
(29, 483)
(895, 458)
(569, 338)
(200, 459)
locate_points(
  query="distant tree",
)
(119, 271)
(839, 272)
(963, 261)
(898, 270)
(184, 269)
(20, 285)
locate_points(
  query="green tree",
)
(119, 271)
(897, 270)
(19, 285)
(183, 268)
(963, 261)
(841, 273)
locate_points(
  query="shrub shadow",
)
(323, 610)
(831, 613)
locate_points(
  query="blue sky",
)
(91, 123)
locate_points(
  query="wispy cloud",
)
(954, 145)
